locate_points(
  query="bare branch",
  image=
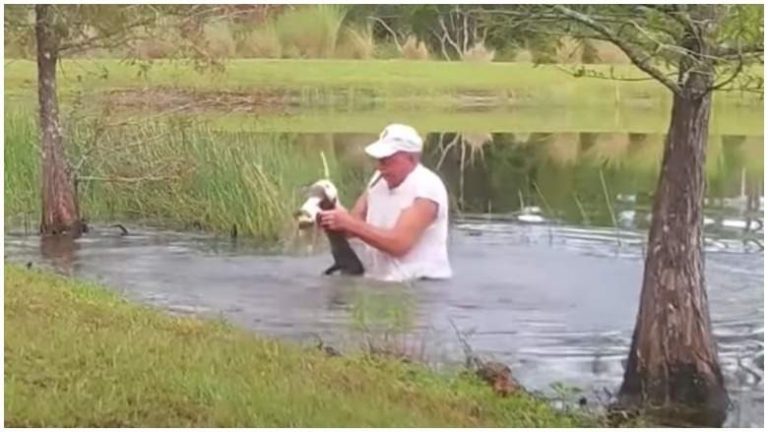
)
(442, 45)
(94, 41)
(583, 71)
(642, 63)
(389, 29)
(448, 37)
(466, 35)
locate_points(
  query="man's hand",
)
(411, 224)
(336, 220)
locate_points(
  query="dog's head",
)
(322, 195)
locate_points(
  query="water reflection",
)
(588, 179)
(61, 251)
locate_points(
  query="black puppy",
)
(322, 195)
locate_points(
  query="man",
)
(403, 215)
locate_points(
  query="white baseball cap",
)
(394, 138)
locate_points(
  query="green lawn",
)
(77, 355)
(515, 83)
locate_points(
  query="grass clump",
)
(78, 356)
(414, 49)
(22, 173)
(479, 53)
(261, 42)
(173, 173)
(356, 43)
(310, 31)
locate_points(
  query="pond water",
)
(547, 248)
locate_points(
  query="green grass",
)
(21, 163)
(736, 120)
(426, 82)
(175, 173)
(76, 355)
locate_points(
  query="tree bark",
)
(60, 214)
(673, 367)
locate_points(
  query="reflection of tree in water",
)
(61, 252)
(558, 172)
(609, 149)
(349, 167)
(470, 149)
(564, 169)
(482, 171)
(355, 166)
(741, 173)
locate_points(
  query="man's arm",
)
(397, 241)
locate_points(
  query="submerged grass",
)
(77, 355)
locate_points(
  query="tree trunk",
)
(60, 213)
(673, 367)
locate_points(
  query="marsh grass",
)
(310, 31)
(175, 173)
(21, 173)
(77, 355)
(261, 42)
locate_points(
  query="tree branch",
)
(389, 29)
(633, 55)
(730, 79)
(673, 12)
(94, 40)
(583, 71)
(448, 36)
(442, 45)
(737, 52)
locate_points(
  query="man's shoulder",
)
(428, 173)
(429, 177)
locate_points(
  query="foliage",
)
(663, 38)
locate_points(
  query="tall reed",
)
(22, 174)
(310, 31)
(175, 173)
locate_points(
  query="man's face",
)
(394, 169)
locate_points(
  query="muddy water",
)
(555, 301)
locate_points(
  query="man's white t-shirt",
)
(429, 256)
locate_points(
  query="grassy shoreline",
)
(731, 121)
(78, 355)
(180, 175)
(435, 83)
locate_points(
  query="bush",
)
(310, 31)
(261, 42)
(414, 50)
(356, 43)
(479, 53)
(218, 39)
